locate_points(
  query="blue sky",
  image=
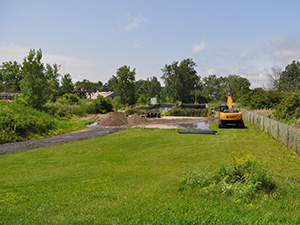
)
(92, 39)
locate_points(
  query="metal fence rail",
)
(288, 135)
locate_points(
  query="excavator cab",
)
(223, 107)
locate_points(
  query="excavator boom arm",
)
(229, 102)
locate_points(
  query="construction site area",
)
(110, 123)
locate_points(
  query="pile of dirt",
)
(136, 119)
(113, 119)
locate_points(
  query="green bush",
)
(143, 100)
(69, 98)
(19, 122)
(138, 111)
(190, 112)
(59, 110)
(244, 179)
(261, 99)
(131, 111)
(117, 103)
(289, 107)
(102, 105)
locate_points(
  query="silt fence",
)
(288, 135)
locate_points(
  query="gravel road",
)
(74, 136)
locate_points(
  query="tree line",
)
(40, 83)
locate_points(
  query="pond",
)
(95, 124)
(204, 125)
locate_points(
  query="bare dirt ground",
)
(106, 124)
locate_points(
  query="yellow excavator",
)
(230, 116)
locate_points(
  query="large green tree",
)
(108, 86)
(219, 86)
(52, 73)
(34, 82)
(88, 85)
(83, 85)
(10, 76)
(124, 85)
(236, 85)
(214, 86)
(290, 78)
(149, 88)
(67, 84)
(180, 80)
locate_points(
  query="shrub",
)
(261, 99)
(289, 107)
(69, 98)
(102, 105)
(190, 112)
(19, 122)
(59, 110)
(117, 103)
(245, 179)
(143, 99)
(131, 111)
(138, 111)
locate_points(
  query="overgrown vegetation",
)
(130, 111)
(289, 107)
(245, 179)
(206, 112)
(19, 122)
(69, 99)
(281, 106)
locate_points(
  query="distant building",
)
(9, 95)
(105, 94)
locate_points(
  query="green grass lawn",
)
(133, 177)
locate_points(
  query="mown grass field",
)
(133, 177)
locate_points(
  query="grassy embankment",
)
(134, 177)
(19, 122)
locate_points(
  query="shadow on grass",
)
(233, 127)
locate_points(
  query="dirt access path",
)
(107, 124)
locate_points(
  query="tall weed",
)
(245, 179)
(19, 122)
(190, 112)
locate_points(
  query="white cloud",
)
(247, 54)
(210, 71)
(257, 76)
(199, 47)
(282, 49)
(137, 44)
(11, 52)
(133, 22)
(78, 68)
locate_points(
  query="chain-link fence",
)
(288, 135)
